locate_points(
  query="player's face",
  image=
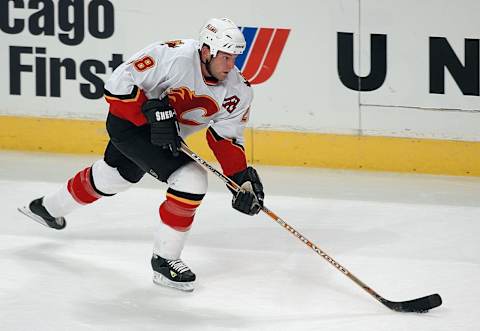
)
(221, 65)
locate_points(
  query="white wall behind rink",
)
(305, 92)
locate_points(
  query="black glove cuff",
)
(156, 110)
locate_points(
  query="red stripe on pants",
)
(81, 188)
(176, 214)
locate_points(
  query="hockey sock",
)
(81, 187)
(85, 187)
(78, 191)
(178, 210)
(176, 218)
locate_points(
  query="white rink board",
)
(305, 92)
(403, 106)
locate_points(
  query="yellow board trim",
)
(265, 147)
(52, 135)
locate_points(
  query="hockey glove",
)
(163, 124)
(249, 200)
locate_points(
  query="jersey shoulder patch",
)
(173, 43)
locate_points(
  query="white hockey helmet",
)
(221, 34)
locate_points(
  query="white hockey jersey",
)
(173, 68)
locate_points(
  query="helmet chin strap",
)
(207, 66)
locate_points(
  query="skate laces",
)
(178, 266)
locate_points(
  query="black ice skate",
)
(37, 212)
(172, 273)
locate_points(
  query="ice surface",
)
(404, 235)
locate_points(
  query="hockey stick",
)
(418, 305)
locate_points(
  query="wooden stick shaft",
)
(230, 183)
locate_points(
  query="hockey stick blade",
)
(419, 305)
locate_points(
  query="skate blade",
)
(27, 212)
(161, 280)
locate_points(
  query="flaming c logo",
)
(184, 101)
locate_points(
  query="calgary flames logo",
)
(185, 101)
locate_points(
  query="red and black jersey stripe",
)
(128, 106)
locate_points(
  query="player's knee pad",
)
(190, 177)
(188, 186)
(107, 180)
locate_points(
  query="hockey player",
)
(161, 95)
